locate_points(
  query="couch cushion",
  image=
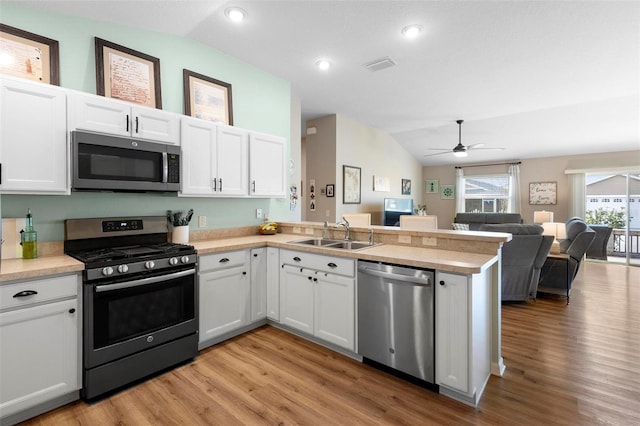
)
(503, 218)
(513, 228)
(460, 226)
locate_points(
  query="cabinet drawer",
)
(229, 259)
(333, 264)
(37, 291)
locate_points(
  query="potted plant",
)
(180, 225)
(420, 210)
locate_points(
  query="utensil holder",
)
(180, 234)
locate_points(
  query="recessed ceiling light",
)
(323, 64)
(412, 31)
(235, 14)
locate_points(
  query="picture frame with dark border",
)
(329, 191)
(406, 186)
(34, 57)
(431, 186)
(126, 74)
(447, 192)
(207, 98)
(543, 193)
(352, 185)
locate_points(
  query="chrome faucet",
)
(325, 230)
(370, 236)
(345, 223)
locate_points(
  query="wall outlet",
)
(258, 213)
(308, 231)
(297, 230)
(327, 213)
(202, 221)
(429, 241)
(404, 239)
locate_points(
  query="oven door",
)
(123, 318)
(105, 162)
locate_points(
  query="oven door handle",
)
(144, 281)
(165, 168)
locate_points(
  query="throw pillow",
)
(460, 226)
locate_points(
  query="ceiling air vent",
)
(380, 64)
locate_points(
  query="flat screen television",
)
(394, 208)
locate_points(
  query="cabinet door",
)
(232, 161)
(258, 284)
(224, 301)
(452, 331)
(273, 283)
(155, 125)
(334, 309)
(100, 114)
(33, 138)
(39, 355)
(296, 298)
(199, 144)
(267, 173)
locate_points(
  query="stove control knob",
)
(149, 264)
(106, 271)
(173, 261)
(123, 269)
(184, 259)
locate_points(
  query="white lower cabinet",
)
(317, 296)
(39, 350)
(258, 284)
(273, 283)
(224, 303)
(463, 334)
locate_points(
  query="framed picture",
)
(329, 191)
(29, 55)
(406, 186)
(447, 192)
(207, 98)
(352, 185)
(381, 183)
(431, 186)
(542, 192)
(126, 74)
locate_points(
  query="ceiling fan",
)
(460, 150)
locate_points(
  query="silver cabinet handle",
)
(396, 277)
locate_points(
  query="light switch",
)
(258, 213)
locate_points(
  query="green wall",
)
(261, 102)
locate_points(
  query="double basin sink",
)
(336, 244)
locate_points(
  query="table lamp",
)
(542, 216)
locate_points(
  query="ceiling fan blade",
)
(475, 146)
(437, 153)
(489, 149)
(440, 149)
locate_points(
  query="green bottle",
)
(29, 239)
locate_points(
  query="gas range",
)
(124, 247)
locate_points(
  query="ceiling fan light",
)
(411, 31)
(460, 153)
(235, 14)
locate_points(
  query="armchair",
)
(598, 249)
(522, 259)
(557, 270)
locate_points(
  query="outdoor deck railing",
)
(618, 246)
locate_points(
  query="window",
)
(486, 194)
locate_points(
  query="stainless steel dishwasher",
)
(396, 318)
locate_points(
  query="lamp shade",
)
(542, 216)
(557, 229)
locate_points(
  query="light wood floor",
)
(566, 365)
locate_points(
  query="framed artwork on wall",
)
(431, 186)
(381, 184)
(329, 191)
(406, 186)
(351, 185)
(126, 74)
(207, 98)
(543, 192)
(28, 55)
(447, 192)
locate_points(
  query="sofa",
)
(475, 220)
(522, 259)
(554, 274)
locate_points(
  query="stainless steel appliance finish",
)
(102, 162)
(140, 299)
(396, 318)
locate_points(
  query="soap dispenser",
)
(29, 239)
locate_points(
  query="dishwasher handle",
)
(423, 281)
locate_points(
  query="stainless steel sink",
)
(337, 244)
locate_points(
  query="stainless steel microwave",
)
(102, 162)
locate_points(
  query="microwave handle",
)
(165, 168)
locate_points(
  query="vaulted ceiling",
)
(538, 78)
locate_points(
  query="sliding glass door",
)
(612, 209)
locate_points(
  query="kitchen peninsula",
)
(467, 351)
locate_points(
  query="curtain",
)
(577, 195)
(460, 184)
(514, 188)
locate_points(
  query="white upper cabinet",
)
(267, 172)
(106, 115)
(214, 159)
(33, 138)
